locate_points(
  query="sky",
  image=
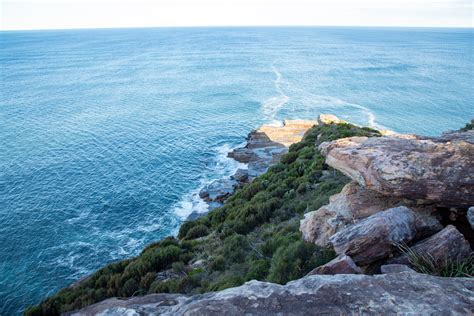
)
(64, 14)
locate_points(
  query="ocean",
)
(107, 135)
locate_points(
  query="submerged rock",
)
(436, 170)
(375, 237)
(343, 294)
(341, 265)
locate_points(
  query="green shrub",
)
(258, 270)
(197, 231)
(129, 288)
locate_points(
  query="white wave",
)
(271, 106)
(223, 166)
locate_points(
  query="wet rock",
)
(342, 294)
(218, 190)
(241, 175)
(375, 237)
(395, 268)
(435, 170)
(341, 265)
(448, 245)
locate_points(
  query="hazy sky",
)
(54, 14)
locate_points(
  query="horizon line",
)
(239, 26)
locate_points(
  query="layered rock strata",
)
(405, 293)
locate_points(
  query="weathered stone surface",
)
(218, 190)
(470, 216)
(343, 294)
(437, 170)
(446, 245)
(395, 268)
(347, 207)
(340, 265)
(354, 203)
(325, 119)
(375, 237)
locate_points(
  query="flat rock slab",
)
(436, 170)
(343, 294)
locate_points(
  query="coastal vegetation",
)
(255, 235)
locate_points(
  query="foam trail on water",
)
(272, 105)
(333, 105)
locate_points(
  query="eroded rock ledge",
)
(344, 294)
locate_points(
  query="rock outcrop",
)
(343, 294)
(449, 245)
(264, 147)
(375, 237)
(434, 170)
(347, 207)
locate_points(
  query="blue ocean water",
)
(107, 135)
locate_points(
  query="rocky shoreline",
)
(264, 147)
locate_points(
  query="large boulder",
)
(448, 245)
(340, 265)
(376, 236)
(347, 207)
(344, 294)
(354, 203)
(435, 170)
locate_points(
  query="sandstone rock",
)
(343, 294)
(470, 216)
(325, 119)
(395, 268)
(447, 245)
(436, 170)
(341, 265)
(351, 204)
(354, 203)
(375, 237)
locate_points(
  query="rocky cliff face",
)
(401, 190)
(434, 170)
(343, 294)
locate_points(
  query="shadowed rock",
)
(341, 265)
(436, 170)
(343, 294)
(375, 237)
(449, 245)
(395, 268)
